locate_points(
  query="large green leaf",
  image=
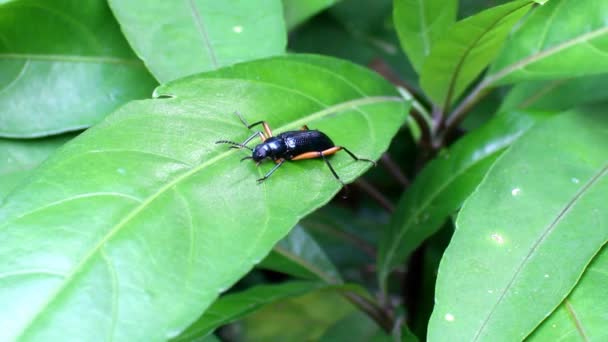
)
(420, 23)
(234, 306)
(298, 254)
(439, 190)
(466, 49)
(563, 38)
(19, 157)
(558, 94)
(135, 226)
(297, 11)
(582, 316)
(63, 66)
(525, 236)
(177, 39)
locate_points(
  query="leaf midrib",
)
(137, 210)
(584, 38)
(71, 58)
(561, 214)
(461, 61)
(202, 30)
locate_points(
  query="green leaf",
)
(561, 39)
(467, 8)
(439, 190)
(557, 95)
(63, 67)
(298, 254)
(177, 39)
(420, 23)
(356, 327)
(466, 49)
(143, 218)
(19, 157)
(304, 318)
(234, 306)
(297, 11)
(523, 238)
(582, 316)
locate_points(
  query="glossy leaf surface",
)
(236, 305)
(557, 95)
(297, 11)
(63, 67)
(177, 39)
(439, 190)
(420, 23)
(19, 157)
(525, 236)
(466, 49)
(582, 316)
(143, 219)
(298, 254)
(563, 38)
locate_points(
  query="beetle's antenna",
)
(248, 157)
(240, 116)
(234, 144)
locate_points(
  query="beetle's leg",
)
(311, 155)
(258, 133)
(271, 171)
(305, 128)
(267, 130)
(354, 156)
(331, 168)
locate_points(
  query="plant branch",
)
(375, 194)
(372, 309)
(353, 239)
(394, 169)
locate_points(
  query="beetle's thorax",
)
(273, 148)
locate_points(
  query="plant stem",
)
(394, 170)
(375, 194)
(372, 309)
(353, 239)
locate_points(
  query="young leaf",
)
(444, 184)
(298, 254)
(143, 219)
(561, 39)
(63, 67)
(234, 306)
(356, 327)
(420, 23)
(525, 236)
(177, 39)
(557, 95)
(582, 315)
(297, 11)
(19, 157)
(304, 318)
(466, 49)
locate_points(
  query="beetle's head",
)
(260, 152)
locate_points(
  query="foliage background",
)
(121, 219)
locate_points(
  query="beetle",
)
(289, 146)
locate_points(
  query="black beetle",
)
(290, 145)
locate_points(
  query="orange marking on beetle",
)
(311, 155)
